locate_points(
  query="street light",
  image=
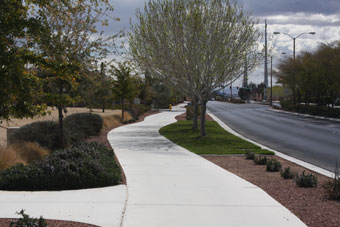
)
(294, 38)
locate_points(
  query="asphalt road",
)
(308, 139)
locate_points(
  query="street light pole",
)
(294, 38)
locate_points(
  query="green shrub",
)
(27, 221)
(139, 109)
(286, 173)
(306, 180)
(80, 126)
(86, 165)
(273, 165)
(42, 132)
(260, 160)
(332, 187)
(250, 155)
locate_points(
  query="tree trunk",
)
(103, 105)
(195, 114)
(203, 111)
(123, 109)
(61, 128)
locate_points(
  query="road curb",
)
(304, 115)
(279, 154)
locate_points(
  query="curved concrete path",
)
(170, 186)
(98, 206)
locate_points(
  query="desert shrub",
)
(139, 109)
(80, 126)
(286, 173)
(9, 157)
(42, 132)
(260, 160)
(332, 187)
(250, 155)
(273, 165)
(27, 221)
(30, 151)
(86, 165)
(306, 180)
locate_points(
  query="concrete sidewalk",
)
(98, 206)
(170, 186)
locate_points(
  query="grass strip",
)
(217, 141)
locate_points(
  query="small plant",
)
(273, 165)
(250, 155)
(287, 173)
(306, 180)
(260, 160)
(332, 187)
(27, 221)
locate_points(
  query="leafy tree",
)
(125, 84)
(96, 88)
(68, 45)
(194, 45)
(16, 83)
(244, 93)
(313, 77)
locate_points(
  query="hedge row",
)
(86, 165)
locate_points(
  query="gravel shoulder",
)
(308, 204)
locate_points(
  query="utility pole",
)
(265, 62)
(245, 78)
(271, 80)
(231, 91)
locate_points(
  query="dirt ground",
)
(52, 116)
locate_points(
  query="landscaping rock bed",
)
(309, 204)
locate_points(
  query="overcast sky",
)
(289, 16)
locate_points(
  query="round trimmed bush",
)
(82, 125)
(44, 133)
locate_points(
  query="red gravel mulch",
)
(102, 138)
(5, 222)
(309, 204)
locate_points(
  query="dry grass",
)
(114, 120)
(9, 157)
(21, 153)
(30, 151)
(53, 115)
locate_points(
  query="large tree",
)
(69, 44)
(194, 45)
(16, 83)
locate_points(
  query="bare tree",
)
(194, 45)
